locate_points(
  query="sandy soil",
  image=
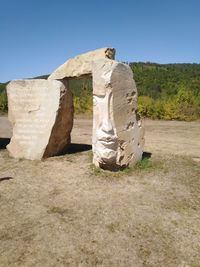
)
(176, 137)
(64, 212)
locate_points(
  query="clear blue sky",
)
(36, 36)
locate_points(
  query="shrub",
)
(3, 102)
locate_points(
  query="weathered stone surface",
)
(118, 135)
(82, 64)
(41, 113)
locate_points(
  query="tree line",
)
(165, 91)
(168, 91)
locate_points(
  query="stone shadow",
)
(5, 178)
(146, 155)
(4, 142)
(75, 148)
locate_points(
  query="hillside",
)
(166, 91)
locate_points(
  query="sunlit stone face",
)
(117, 133)
(104, 138)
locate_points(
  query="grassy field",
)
(63, 211)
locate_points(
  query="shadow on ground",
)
(71, 149)
(146, 155)
(76, 148)
(4, 142)
(5, 178)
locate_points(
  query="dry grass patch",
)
(63, 211)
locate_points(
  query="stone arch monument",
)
(41, 112)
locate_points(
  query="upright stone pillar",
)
(118, 135)
(41, 113)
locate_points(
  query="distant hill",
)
(3, 87)
(166, 91)
(156, 80)
(44, 77)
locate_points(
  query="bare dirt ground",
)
(64, 212)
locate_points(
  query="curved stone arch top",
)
(118, 136)
(81, 65)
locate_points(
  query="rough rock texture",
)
(118, 135)
(41, 113)
(82, 64)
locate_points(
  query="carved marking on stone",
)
(116, 130)
(35, 107)
(42, 112)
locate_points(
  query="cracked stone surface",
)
(118, 134)
(41, 113)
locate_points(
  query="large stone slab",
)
(41, 113)
(82, 64)
(118, 135)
